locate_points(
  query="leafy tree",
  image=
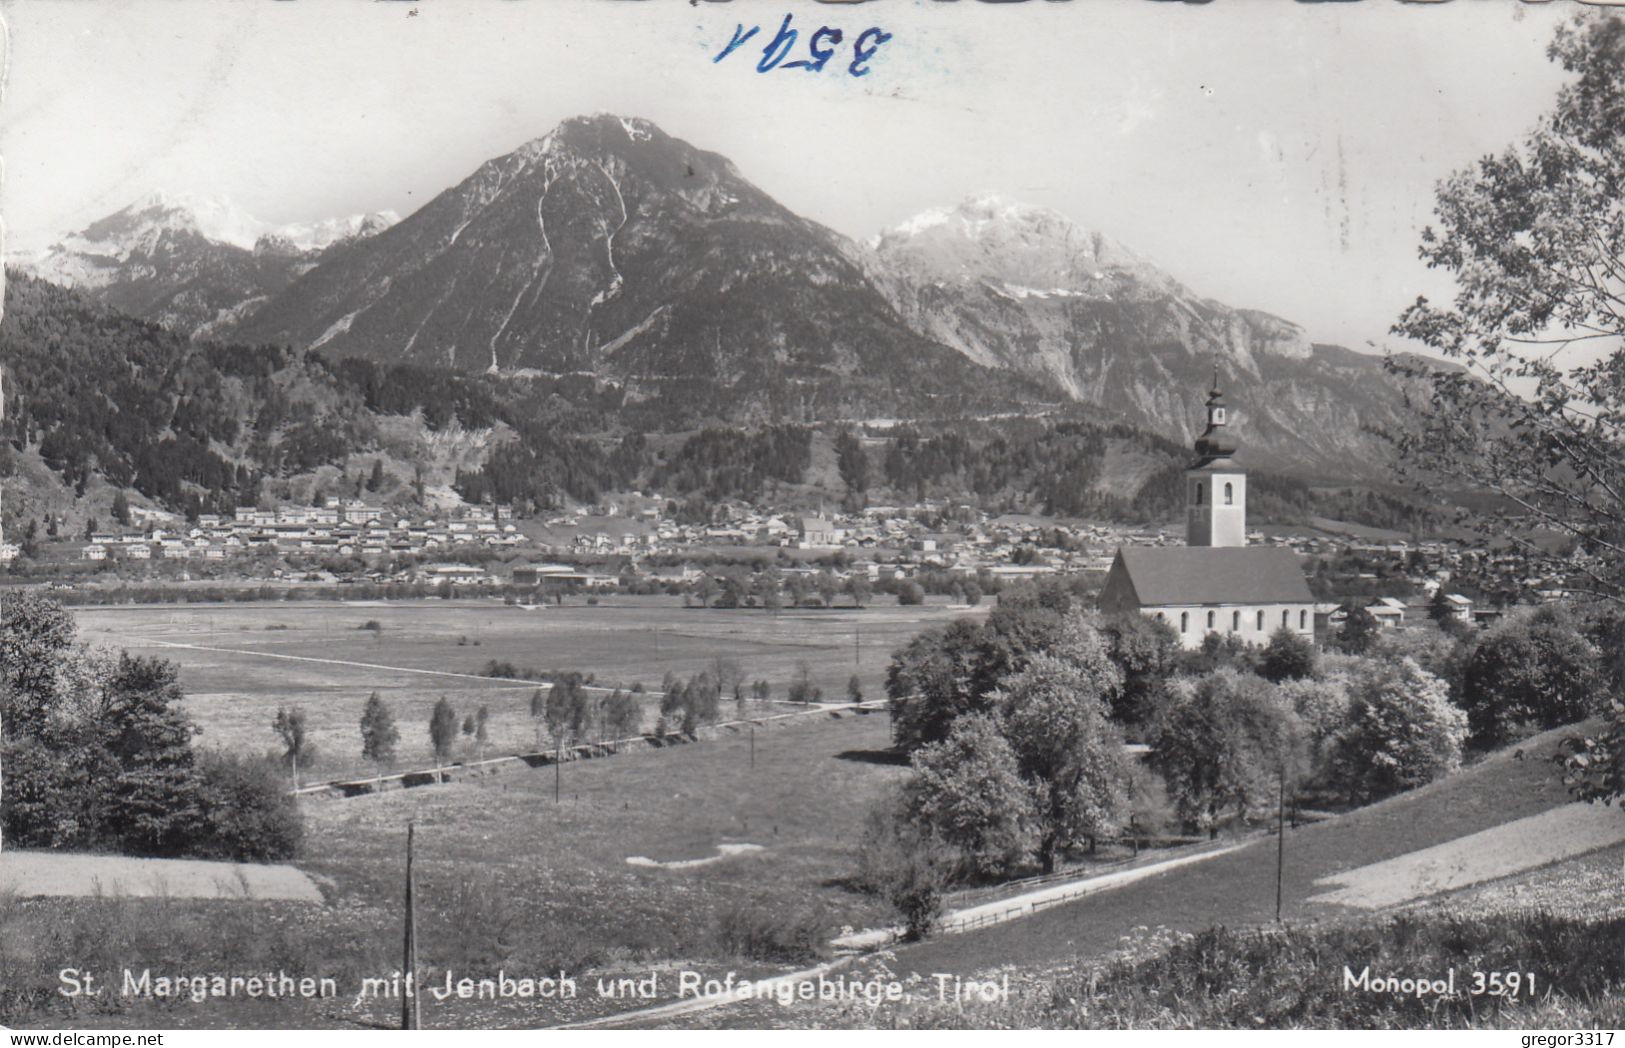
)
(933, 679)
(1147, 652)
(36, 634)
(854, 689)
(482, 733)
(561, 699)
(860, 588)
(443, 730)
(1530, 672)
(538, 711)
(1218, 650)
(1441, 653)
(801, 683)
(1288, 656)
(910, 592)
(1358, 632)
(378, 732)
(967, 790)
(1401, 732)
(902, 859)
(767, 591)
(827, 587)
(297, 749)
(1322, 705)
(1535, 239)
(375, 479)
(121, 508)
(242, 811)
(729, 677)
(734, 590)
(1054, 714)
(622, 715)
(972, 593)
(1222, 743)
(1594, 766)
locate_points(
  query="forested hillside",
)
(196, 426)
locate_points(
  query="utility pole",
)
(1133, 830)
(558, 756)
(753, 745)
(857, 635)
(411, 1017)
(1280, 846)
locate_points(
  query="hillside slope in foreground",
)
(1238, 888)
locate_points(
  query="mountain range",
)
(611, 250)
(195, 265)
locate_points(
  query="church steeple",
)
(1215, 487)
(1213, 444)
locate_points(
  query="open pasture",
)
(507, 878)
(239, 662)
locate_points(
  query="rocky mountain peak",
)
(1032, 249)
(192, 262)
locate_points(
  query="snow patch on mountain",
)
(140, 230)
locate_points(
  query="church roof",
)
(1215, 575)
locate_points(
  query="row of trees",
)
(572, 711)
(1015, 727)
(1538, 668)
(735, 586)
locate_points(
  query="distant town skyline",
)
(1277, 157)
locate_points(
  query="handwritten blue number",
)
(820, 55)
(861, 53)
(778, 47)
(740, 36)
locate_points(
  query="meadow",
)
(240, 662)
(508, 878)
(728, 854)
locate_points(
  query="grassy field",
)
(240, 662)
(507, 878)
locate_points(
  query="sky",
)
(1272, 156)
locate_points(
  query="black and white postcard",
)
(780, 514)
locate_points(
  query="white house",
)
(1215, 583)
(1389, 613)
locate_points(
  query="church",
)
(1216, 583)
